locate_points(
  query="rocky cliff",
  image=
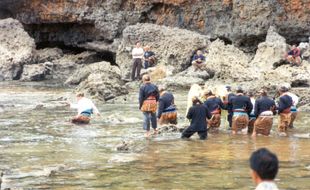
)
(242, 22)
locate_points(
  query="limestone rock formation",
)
(243, 22)
(172, 46)
(100, 80)
(48, 54)
(270, 51)
(37, 72)
(16, 49)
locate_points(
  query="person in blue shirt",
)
(199, 60)
(149, 57)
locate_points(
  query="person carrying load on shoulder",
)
(215, 106)
(241, 108)
(148, 98)
(85, 109)
(197, 114)
(264, 110)
(284, 110)
(167, 111)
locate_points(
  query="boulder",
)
(36, 72)
(173, 47)
(270, 51)
(16, 49)
(48, 54)
(229, 64)
(100, 80)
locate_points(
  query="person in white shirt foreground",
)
(85, 109)
(264, 168)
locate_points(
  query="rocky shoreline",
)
(104, 76)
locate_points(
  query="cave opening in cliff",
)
(5, 13)
(226, 40)
(249, 44)
(107, 56)
(300, 83)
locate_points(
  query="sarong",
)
(251, 124)
(169, 116)
(80, 119)
(263, 125)
(240, 121)
(215, 121)
(149, 105)
(284, 121)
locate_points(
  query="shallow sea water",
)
(40, 149)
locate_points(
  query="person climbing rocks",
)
(148, 98)
(85, 109)
(264, 109)
(284, 110)
(149, 57)
(198, 60)
(293, 56)
(167, 112)
(215, 106)
(137, 55)
(198, 114)
(241, 108)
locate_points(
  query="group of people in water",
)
(244, 112)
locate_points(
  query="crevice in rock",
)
(226, 40)
(249, 44)
(107, 56)
(300, 83)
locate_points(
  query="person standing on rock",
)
(284, 110)
(85, 109)
(148, 98)
(215, 106)
(241, 107)
(264, 110)
(198, 114)
(167, 112)
(137, 55)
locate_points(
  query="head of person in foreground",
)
(264, 165)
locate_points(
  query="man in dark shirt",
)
(148, 98)
(166, 113)
(263, 110)
(284, 110)
(214, 104)
(149, 57)
(228, 106)
(198, 114)
(241, 107)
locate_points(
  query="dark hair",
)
(283, 89)
(264, 163)
(239, 89)
(196, 100)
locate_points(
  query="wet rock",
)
(100, 80)
(270, 51)
(166, 42)
(48, 54)
(16, 49)
(169, 129)
(122, 147)
(37, 72)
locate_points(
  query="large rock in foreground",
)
(100, 80)
(172, 46)
(16, 49)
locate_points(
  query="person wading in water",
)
(284, 110)
(85, 109)
(197, 114)
(167, 112)
(148, 98)
(241, 107)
